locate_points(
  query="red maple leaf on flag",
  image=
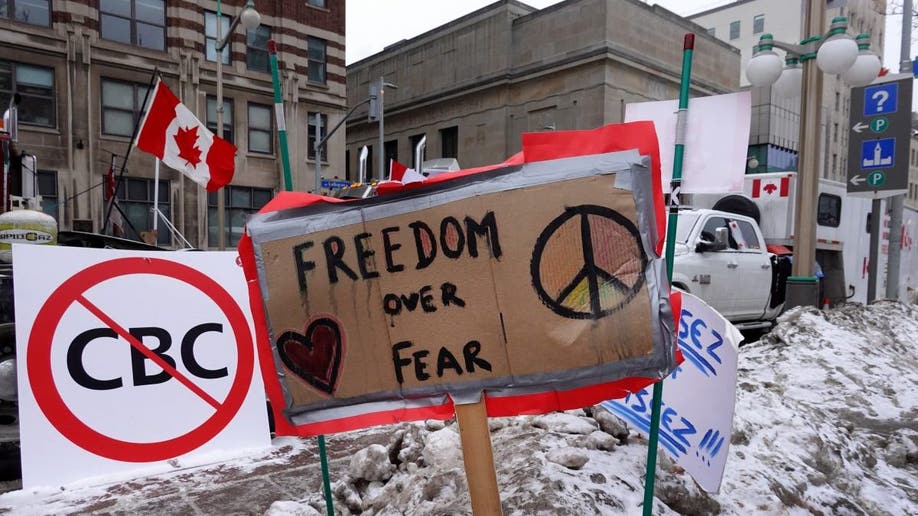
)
(187, 140)
(770, 188)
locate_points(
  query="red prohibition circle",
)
(41, 379)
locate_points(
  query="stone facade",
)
(75, 145)
(474, 85)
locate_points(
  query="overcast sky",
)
(375, 24)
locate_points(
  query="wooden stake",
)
(478, 458)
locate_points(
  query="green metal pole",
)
(279, 115)
(288, 186)
(682, 118)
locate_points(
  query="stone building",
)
(82, 68)
(474, 85)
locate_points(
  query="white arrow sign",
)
(860, 126)
(857, 180)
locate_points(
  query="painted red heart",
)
(316, 356)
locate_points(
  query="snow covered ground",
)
(826, 423)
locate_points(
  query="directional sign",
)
(878, 153)
(879, 137)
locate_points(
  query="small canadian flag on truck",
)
(771, 187)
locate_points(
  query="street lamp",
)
(250, 20)
(835, 53)
(376, 112)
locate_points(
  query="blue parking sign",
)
(881, 99)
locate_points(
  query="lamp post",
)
(835, 53)
(377, 112)
(250, 20)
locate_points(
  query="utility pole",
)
(376, 114)
(897, 202)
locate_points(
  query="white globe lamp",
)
(838, 52)
(791, 80)
(250, 18)
(866, 67)
(765, 66)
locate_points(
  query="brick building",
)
(82, 68)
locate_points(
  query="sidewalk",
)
(290, 470)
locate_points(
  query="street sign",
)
(879, 137)
(335, 183)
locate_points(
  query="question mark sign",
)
(883, 96)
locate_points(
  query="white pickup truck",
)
(722, 258)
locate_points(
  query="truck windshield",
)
(684, 226)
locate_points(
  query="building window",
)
(712, 32)
(837, 100)
(391, 149)
(311, 136)
(256, 51)
(835, 132)
(261, 129)
(828, 211)
(239, 203)
(414, 140)
(347, 165)
(122, 104)
(227, 118)
(47, 189)
(758, 24)
(35, 12)
(316, 66)
(316, 3)
(134, 22)
(135, 198)
(734, 30)
(834, 164)
(210, 36)
(35, 85)
(449, 142)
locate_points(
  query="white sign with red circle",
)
(132, 362)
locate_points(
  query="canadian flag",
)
(172, 133)
(769, 187)
(403, 174)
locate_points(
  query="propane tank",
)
(25, 227)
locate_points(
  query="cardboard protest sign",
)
(522, 280)
(698, 397)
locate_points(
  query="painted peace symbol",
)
(588, 263)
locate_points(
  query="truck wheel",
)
(739, 205)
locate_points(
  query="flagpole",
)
(279, 114)
(127, 154)
(288, 186)
(156, 199)
(688, 48)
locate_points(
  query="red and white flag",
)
(773, 187)
(172, 133)
(403, 174)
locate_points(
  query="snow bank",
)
(825, 423)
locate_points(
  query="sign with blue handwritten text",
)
(696, 415)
